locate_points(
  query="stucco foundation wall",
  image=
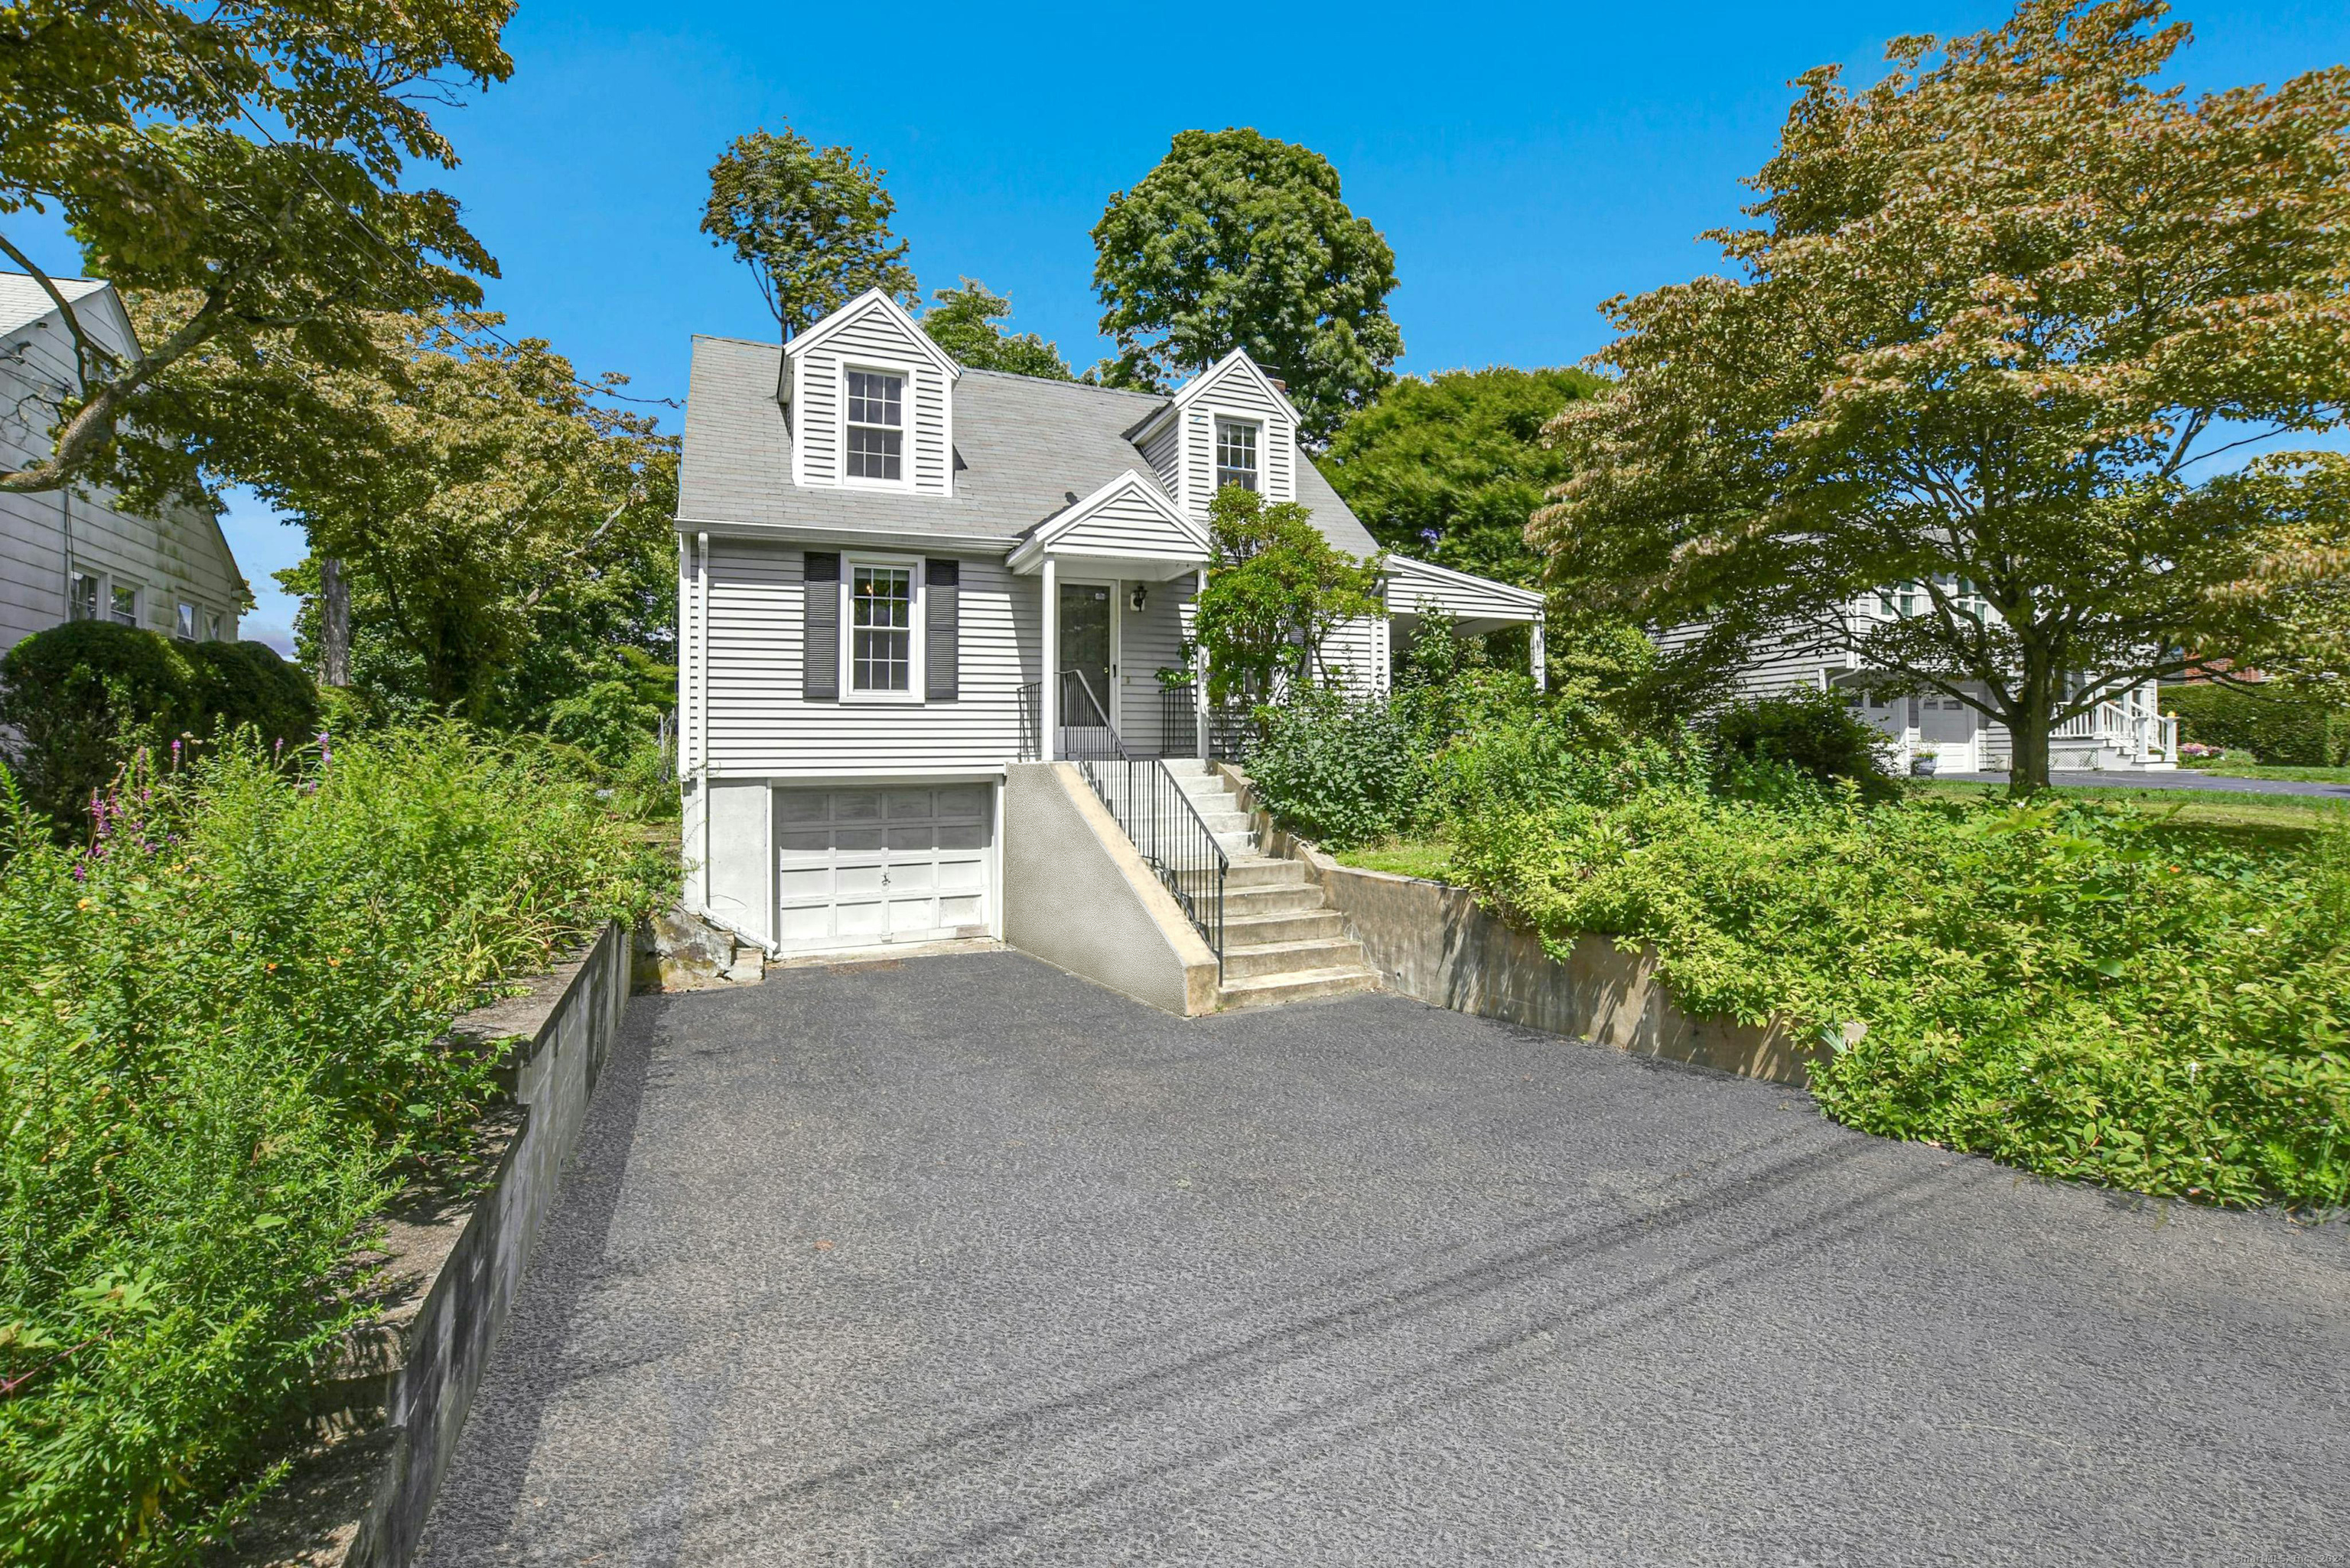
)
(1078, 896)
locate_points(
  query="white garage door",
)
(865, 866)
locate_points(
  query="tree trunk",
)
(334, 623)
(2028, 735)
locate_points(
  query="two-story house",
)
(883, 556)
(75, 554)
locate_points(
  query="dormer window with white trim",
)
(1236, 454)
(877, 426)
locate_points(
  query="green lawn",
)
(1428, 858)
(2278, 822)
(2252, 771)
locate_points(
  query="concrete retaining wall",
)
(1078, 896)
(396, 1404)
(1432, 941)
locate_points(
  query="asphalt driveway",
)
(961, 1260)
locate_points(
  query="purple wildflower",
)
(326, 751)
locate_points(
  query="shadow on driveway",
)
(965, 1261)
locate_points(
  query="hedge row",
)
(82, 696)
(2283, 730)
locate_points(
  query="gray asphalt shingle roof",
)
(1025, 443)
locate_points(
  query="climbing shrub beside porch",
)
(218, 1057)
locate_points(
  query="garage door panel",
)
(806, 882)
(867, 866)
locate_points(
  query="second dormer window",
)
(1235, 454)
(877, 425)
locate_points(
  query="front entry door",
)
(1089, 667)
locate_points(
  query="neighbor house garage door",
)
(864, 866)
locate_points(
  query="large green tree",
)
(1995, 316)
(1450, 468)
(245, 162)
(484, 502)
(812, 223)
(962, 321)
(1238, 240)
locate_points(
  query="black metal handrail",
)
(1148, 801)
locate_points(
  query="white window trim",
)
(137, 600)
(905, 479)
(917, 649)
(1216, 421)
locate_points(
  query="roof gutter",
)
(971, 544)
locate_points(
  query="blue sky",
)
(1525, 162)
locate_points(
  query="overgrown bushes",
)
(2284, 727)
(85, 695)
(1816, 734)
(218, 1053)
(2080, 990)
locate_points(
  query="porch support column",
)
(1048, 693)
(1199, 662)
(1541, 664)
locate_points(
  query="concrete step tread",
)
(1292, 958)
(1271, 989)
(1285, 926)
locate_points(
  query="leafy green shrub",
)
(1340, 769)
(2285, 728)
(2063, 986)
(219, 1053)
(1815, 733)
(85, 695)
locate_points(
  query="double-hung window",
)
(877, 426)
(1235, 454)
(125, 606)
(184, 623)
(81, 596)
(881, 630)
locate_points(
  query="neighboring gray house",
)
(882, 554)
(2125, 733)
(74, 554)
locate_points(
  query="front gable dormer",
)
(871, 401)
(1230, 424)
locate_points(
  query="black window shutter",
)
(820, 627)
(944, 581)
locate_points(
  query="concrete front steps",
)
(1282, 943)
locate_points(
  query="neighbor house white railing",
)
(2141, 735)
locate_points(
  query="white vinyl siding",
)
(1152, 640)
(176, 556)
(1163, 450)
(1233, 391)
(1127, 525)
(759, 726)
(873, 338)
(1356, 652)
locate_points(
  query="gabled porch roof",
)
(1129, 527)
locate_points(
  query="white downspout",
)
(1541, 663)
(1048, 691)
(1199, 662)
